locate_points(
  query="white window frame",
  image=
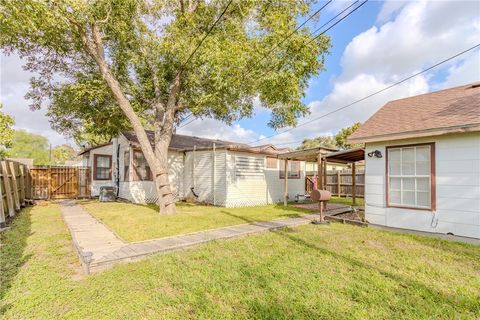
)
(430, 176)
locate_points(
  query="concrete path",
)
(99, 248)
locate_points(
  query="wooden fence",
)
(59, 182)
(14, 189)
(339, 183)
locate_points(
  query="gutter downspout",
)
(117, 182)
(214, 168)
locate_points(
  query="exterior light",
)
(376, 154)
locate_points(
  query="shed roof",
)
(306, 154)
(446, 111)
(346, 156)
(183, 142)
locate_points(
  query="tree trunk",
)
(157, 161)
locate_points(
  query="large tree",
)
(31, 146)
(344, 133)
(321, 141)
(157, 64)
(6, 131)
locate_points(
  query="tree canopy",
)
(325, 141)
(6, 131)
(29, 145)
(344, 133)
(338, 141)
(106, 65)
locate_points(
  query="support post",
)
(319, 172)
(354, 184)
(285, 183)
(325, 174)
(214, 168)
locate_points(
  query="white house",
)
(219, 172)
(423, 162)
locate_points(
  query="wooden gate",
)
(60, 182)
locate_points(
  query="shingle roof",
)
(451, 110)
(182, 142)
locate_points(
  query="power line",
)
(319, 35)
(372, 94)
(316, 37)
(186, 124)
(208, 33)
(275, 46)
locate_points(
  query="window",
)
(140, 166)
(410, 176)
(126, 165)
(102, 167)
(293, 169)
(271, 163)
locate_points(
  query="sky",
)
(378, 45)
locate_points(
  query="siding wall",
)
(457, 188)
(258, 190)
(209, 185)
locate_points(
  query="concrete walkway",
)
(99, 248)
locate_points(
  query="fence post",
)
(22, 184)
(2, 211)
(338, 183)
(13, 173)
(8, 189)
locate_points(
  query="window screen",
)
(103, 166)
(409, 176)
(141, 168)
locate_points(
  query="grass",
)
(311, 272)
(347, 201)
(134, 222)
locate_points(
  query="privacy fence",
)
(20, 184)
(14, 189)
(339, 183)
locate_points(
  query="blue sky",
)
(340, 35)
(380, 43)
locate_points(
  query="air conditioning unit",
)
(107, 194)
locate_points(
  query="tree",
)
(160, 61)
(343, 134)
(30, 145)
(321, 141)
(62, 153)
(6, 131)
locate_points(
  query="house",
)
(219, 172)
(423, 162)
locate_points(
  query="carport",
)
(322, 156)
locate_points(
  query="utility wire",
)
(275, 46)
(208, 33)
(320, 34)
(372, 94)
(316, 37)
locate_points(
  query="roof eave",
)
(474, 127)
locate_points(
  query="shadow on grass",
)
(408, 283)
(12, 258)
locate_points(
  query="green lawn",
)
(315, 272)
(347, 201)
(134, 222)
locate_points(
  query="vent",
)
(249, 167)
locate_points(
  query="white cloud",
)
(213, 129)
(14, 84)
(416, 37)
